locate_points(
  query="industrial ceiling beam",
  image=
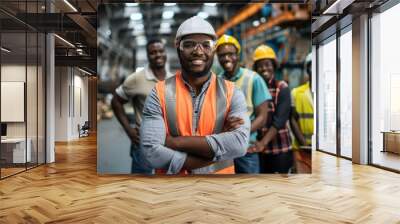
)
(81, 61)
(241, 16)
(75, 15)
(284, 17)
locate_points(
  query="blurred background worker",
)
(135, 89)
(275, 143)
(185, 117)
(255, 91)
(302, 120)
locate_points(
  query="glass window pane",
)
(13, 86)
(22, 63)
(346, 94)
(385, 86)
(327, 96)
(31, 97)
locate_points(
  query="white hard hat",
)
(195, 25)
(308, 59)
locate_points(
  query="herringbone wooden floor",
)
(70, 191)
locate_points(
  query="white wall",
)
(80, 101)
(71, 94)
(33, 126)
(61, 103)
(16, 73)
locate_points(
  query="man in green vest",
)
(255, 91)
(302, 119)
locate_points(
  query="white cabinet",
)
(18, 149)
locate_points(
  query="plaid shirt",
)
(282, 142)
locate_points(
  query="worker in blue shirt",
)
(255, 91)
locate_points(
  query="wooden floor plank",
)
(70, 191)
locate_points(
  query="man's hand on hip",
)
(133, 134)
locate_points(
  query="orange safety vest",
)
(178, 113)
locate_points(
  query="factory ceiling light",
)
(70, 5)
(337, 7)
(131, 4)
(165, 25)
(168, 14)
(256, 23)
(139, 27)
(84, 71)
(203, 15)
(5, 50)
(136, 16)
(65, 41)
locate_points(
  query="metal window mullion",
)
(60, 88)
(45, 94)
(73, 92)
(26, 86)
(69, 92)
(316, 96)
(369, 96)
(37, 91)
(338, 93)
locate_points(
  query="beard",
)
(187, 70)
(157, 66)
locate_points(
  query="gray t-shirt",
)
(136, 88)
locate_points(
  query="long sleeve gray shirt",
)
(226, 145)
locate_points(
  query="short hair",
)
(152, 41)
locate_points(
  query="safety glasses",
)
(190, 45)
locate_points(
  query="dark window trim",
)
(386, 6)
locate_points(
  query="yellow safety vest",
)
(245, 83)
(305, 109)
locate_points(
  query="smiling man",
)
(136, 88)
(194, 122)
(255, 91)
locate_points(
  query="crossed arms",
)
(191, 152)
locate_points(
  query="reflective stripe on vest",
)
(306, 116)
(245, 83)
(177, 108)
(305, 109)
(170, 106)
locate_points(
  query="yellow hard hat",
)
(226, 39)
(264, 52)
